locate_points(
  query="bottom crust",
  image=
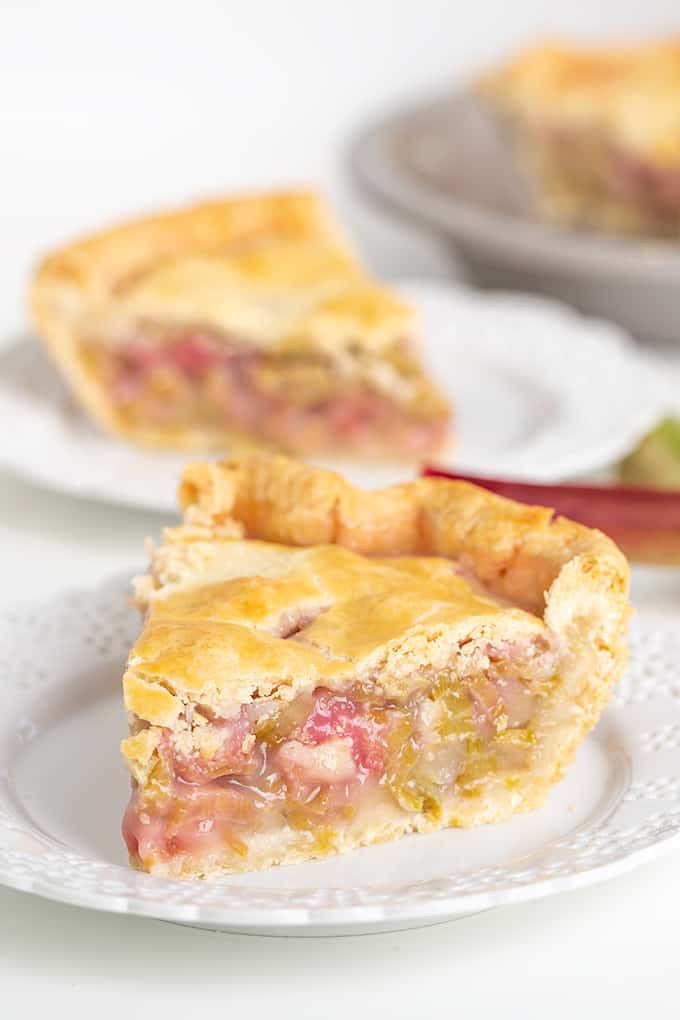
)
(293, 847)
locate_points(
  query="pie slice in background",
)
(243, 321)
(599, 130)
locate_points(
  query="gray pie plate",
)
(449, 165)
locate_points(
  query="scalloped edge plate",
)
(63, 789)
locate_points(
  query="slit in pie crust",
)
(245, 321)
(323, 668)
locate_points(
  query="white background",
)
(111, 109)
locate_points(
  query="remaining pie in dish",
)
(248, 319)
(600, 129)
(323, 668)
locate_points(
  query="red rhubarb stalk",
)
(645, 523)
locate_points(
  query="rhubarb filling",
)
(307, 770)
(173, 378)
(583, 168)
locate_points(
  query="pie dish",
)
(243, 321)
(600, 131)
(323, 668)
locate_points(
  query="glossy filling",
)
(319, 762)
(299, 401)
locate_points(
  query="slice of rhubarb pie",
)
(323, 668)
(599, 128)
(245, 320)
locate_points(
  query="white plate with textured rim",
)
(526, 377)
(63, 790)
(448, 163)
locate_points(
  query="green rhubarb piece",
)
(656, 461)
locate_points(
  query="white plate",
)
(526, 377)
(446, 163)
(63, 790)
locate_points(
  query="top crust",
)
(217, 625)
(110, 260)
(632, 92)
(518, 551)
(268, 268)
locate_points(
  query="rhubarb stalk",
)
(644, 523)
